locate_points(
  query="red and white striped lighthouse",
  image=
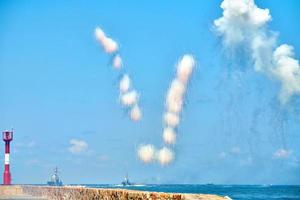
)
(7, 138)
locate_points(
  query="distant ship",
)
(54, 179)
(126, 181)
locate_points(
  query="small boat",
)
(54, 179)
(126, 181)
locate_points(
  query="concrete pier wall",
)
(81, 193)
(10, 190)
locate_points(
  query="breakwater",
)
(82, 193)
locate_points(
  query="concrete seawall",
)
(81, 193)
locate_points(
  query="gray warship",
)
(126, 181)
(54, 179)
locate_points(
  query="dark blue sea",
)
(236, 192)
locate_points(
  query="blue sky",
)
(56, 85)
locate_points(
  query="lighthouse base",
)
(6, 178)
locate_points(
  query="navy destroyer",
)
(126, 181)
(54, 179)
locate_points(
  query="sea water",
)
(236, 192)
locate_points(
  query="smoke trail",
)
(185, 68)
(128, 96)
(109, 45)
(171, 118)
(175, 97)
(243, 24)
(146, 153)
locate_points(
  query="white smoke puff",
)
(109, 45)
(174, 105)
(165, 156)
(171, 119)
(185, 68)
(135, 113)
(174, 99)
(169, 135)
(177, 88)
(241, 19)
(244, 24)
(99, 34)
(287, 71)
(146, 153)
(129, 98)
(117, 62)
(124, 84)
(262, 52)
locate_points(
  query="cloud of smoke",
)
(135, 113)
(241, 19)
(171, 119)
(287, 70)
(185, 68)
(174, 99)
(109, 45)
(146, 153)
(173, 103)
(128, 96)
(124, 84)
(175, 96)
(165, 156)
(169, 135)
(117, 62)
(244, 24)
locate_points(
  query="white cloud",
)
(247, 161)
(77, 146)
(281, 154)
(235, 150)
